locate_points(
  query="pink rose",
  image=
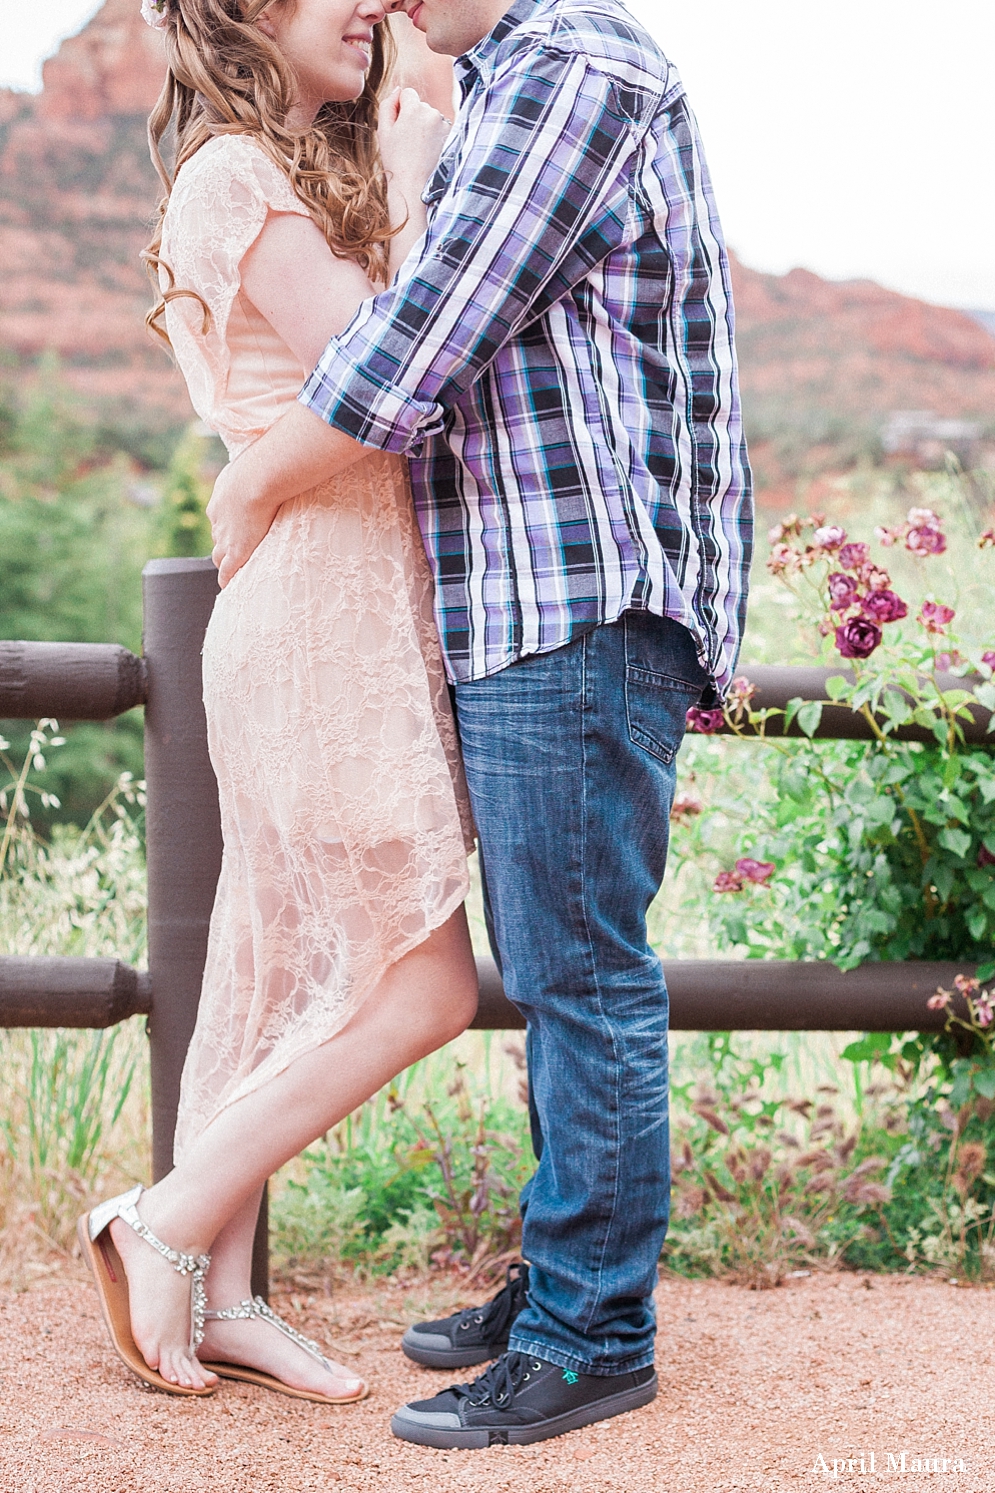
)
(875, 579)
(887, 537)
(983, 1012)
(830, 537)
(686, 806)
(783, 559)
(741, 691)
(759, 872)
(967, 984)
(947, 661)
(939, 1001)
(842, 591)
(852, 556)
(934, 616)
(884, 606)
(988, 657)
(987, 539)
(858, 638)
(705, 722)
(925, 541)
(727, 881)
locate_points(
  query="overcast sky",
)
(855, 138)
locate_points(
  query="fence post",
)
(183, 834)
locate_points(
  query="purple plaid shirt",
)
(556, 354)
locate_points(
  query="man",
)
(556, 359)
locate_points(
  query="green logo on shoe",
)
(569, 1377)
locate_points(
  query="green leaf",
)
(957, 840)
(985, 971)
(896, 707)
(984, 1083)
(977, 922)
(872, 1046)
(809, 716)
(954, 698)
(837, 687)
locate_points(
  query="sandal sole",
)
(267, 1381)
(104, 1264)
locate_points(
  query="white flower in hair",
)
(154, 12)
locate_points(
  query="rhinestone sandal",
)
(112, 1284)
(245, 1311)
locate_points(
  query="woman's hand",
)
(238, 526)
(411, 135)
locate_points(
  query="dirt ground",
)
(757, 1391)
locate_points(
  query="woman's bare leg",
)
(210, 1198)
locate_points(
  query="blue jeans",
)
(570, 762)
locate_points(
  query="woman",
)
(339, 952)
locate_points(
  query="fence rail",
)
(89, 681)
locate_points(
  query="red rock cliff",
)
(77, 193)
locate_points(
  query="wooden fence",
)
(86, 681)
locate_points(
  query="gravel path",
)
(755, 1389)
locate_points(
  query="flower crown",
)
(154, 13)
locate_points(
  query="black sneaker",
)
(473, 1335)
(521, 1399)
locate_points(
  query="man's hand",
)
(297, 453)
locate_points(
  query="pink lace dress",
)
(343, 805)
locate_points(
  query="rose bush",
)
(881, 849)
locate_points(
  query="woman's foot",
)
(159, 1299)
(256, 1344)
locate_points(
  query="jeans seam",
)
(597, 984)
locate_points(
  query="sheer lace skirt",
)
(344, 811)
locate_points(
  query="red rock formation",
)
(77, 193)
(857, 350)
(114, 66)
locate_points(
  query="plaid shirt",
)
(556, 355)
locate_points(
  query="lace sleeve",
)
(216, 212)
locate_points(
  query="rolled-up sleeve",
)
(541, 192)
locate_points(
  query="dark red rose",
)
(985, 858)
(852, 556)
(858, 638)
(884, 606)
(706, 722)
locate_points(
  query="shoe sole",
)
(476, 1437)
(450, 1358)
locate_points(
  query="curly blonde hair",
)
(225, 77)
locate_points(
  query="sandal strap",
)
(183, 1264)
(257, 1307)
(196, 1266)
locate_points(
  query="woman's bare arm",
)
(305, 293)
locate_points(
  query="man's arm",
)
(539, 196)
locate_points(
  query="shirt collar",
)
(479, 61)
